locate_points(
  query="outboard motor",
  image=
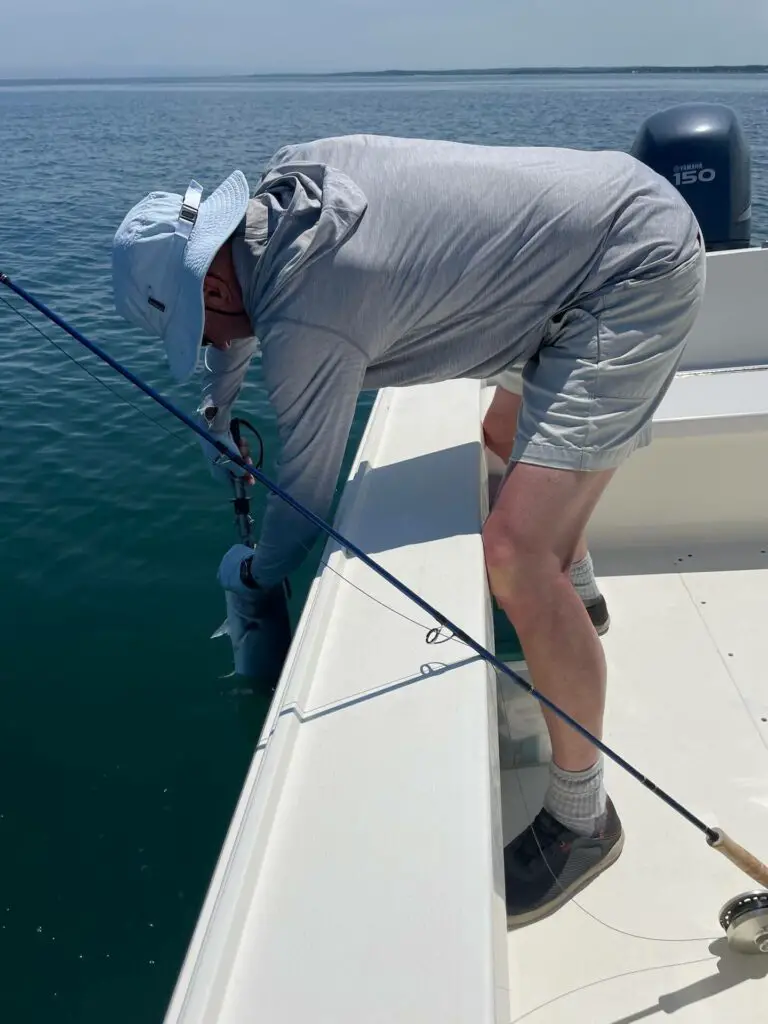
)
(701, 149)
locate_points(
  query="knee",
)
(521, 573)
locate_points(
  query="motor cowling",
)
(701, 149)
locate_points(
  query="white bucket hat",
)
(160, 254)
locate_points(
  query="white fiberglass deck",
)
(361, 882)
(688, 705)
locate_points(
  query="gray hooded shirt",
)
(368, 262)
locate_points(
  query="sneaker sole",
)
(603, 628)
(593, 610)
(566, 894)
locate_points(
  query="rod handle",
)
(742, 858)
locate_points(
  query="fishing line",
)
(434, 635)
(583, 909)
(158, 423)
(716, 838)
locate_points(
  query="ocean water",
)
(122, 745)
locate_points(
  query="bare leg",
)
(499, 430)
(530, 539)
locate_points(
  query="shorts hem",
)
(590, 460)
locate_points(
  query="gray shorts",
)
(590, 391)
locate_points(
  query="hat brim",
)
(218, 217)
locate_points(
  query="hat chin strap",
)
(190, 207)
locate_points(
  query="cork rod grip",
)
(742, 858)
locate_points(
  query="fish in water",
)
(258, 624)
(259, 628)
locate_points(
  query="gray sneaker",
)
(542, 875)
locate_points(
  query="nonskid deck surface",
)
(688, 705)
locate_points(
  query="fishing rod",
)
(716, 837)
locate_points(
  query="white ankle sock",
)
(583, 579)
(577, 799)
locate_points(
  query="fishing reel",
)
(744, 919)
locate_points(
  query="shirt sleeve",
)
(224, 371)
(313, 379)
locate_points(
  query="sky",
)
(50, 38)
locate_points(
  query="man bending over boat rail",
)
(570, 278)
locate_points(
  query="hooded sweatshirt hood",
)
(299, 213)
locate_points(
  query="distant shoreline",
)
(640, 69)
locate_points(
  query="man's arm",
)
(314, 379)
(223, 375)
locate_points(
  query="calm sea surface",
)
(122, 747)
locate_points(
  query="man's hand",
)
(233, 574)
(222, 468)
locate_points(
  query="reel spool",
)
(745, 922)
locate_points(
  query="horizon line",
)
(565, 69)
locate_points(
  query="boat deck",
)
(361, 879)
(688, 705)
